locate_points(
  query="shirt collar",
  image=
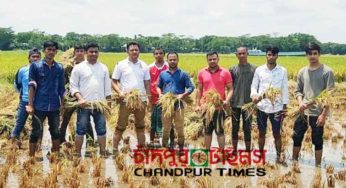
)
(275, 68)
(136, 63)
(217, 70)
(176, 71)
(44, 62)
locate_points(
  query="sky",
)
(195, 18)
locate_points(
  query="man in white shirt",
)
(270, 75)
(90, 82)
(131, 74)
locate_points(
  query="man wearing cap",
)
(21, 84)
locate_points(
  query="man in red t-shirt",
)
(154, 70)
(219, 79)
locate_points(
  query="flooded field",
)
(65, 170)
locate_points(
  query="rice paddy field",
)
(18, 170)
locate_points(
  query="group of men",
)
(42, 86)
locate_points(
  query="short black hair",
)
(91, 45)
(176, 53)
(272, 49)
(50, 43)
(312, 46)
(212, 53)
(132, 43)
(247, 50)
(159, 48)
(78, 47)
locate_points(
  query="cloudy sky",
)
(323, 18)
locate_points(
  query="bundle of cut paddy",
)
(133, 100)
(193, 131)
(325, 98)
(204, 182)
(212, 101)
(67, 58)
(100, 106)
(272, 93)
(167, 102)
(250, 108)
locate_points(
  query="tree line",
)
(9, 40)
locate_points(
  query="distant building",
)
(261, 53)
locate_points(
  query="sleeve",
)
(146, 73)
(200, 77)
(284, 89)
(74, 81)
(18, 81)
(255, 84)
(62, 83)
(330, 80)
(108, 91)
(160, 83)
(33, 75)
(116, 72)
(228, 77)
(188, 84)
(300, 86)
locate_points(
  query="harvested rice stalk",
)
(51, 180)
(341, 175)
(97, 168)
(204, 182)
(325, 98)
(183, 182)
(127, 175)
(25, 181)
(73, 181)
(330, 169)
(331, 181)
(133, 100)
(102, 182)
(81, 167)
(250, 108)
(317, 181)
(120, 161)
(168, 101)
(272, 93)
(154, 181)
(100, 106)
(212, 101)
(193, 131)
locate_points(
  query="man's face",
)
(79, 53)
(172, 61)
(313, 56)
(213, 61)
(241, 54)
(133, 52)
(92, 54)
(158, 54)
(50, 52)
(34, 57)
(271, 58)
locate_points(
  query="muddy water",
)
(333, 153)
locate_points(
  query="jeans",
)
(37, 124)
(83, 120)
(21, 118)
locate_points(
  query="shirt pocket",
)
(42, 76)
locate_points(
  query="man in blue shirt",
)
(46, 91)
(178, 82)
(21, 84)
